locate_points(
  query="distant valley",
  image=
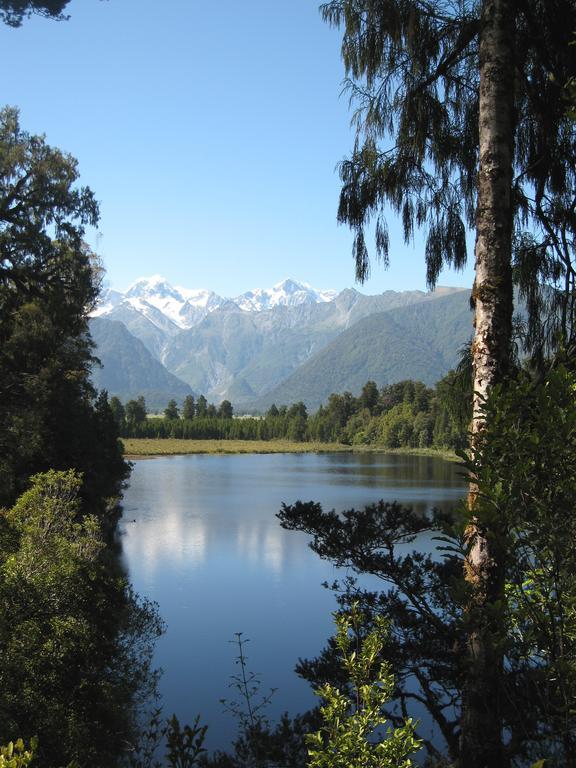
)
(287, 343)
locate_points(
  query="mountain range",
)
(287, 343)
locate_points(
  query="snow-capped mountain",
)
(109, 300)
(288, 293)
(303, 346)
(158, 301)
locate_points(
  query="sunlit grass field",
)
(134, 447)
(170, 447)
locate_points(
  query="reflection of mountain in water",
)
(206, 545)
(189, 509)
(189, 541)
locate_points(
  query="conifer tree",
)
(189, 408)
(49, 414)
(171, 411)
(13, 12)
(461, 121)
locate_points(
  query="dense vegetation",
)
(461, 119)
(525, 475)
(75, 643)
(50, 414)
(403, 415)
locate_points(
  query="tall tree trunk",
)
(481, 735)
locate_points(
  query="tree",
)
(171, 412)
(413, 73)
(468, 94)
(482, 741)
(201, 407)
(136, 411)
(369, 396)
(524, 470)
(353, 717)
(118, 411)
(189, 408)
(426, 645)
(297, 410)
(225, 410)
(13, 12)
(48, 284)
(75, 643)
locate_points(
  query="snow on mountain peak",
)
(155, 287)
(188, 306)
(287, 293)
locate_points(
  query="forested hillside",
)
(127, 369)
(420, 341)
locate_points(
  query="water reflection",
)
(207, 547)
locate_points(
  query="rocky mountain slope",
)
(420, 341)
(128, 369)
(243, 349)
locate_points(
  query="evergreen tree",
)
(48, 284)
(369, 396)
(118, 411)
(201, 407)
(189, 408)
(225, 410)
(470, 95)
(171, 412)
(136, 411)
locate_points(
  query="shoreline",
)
(145, 448)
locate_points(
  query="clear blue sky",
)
(209, 132)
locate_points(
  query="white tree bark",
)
(481, 739)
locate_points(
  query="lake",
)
(206, 546)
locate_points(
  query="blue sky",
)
(210, 134)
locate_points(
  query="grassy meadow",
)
(139, 447)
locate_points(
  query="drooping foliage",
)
(412, 73)
(13, 12)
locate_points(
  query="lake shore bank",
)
(139, 448)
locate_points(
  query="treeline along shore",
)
(405, 415)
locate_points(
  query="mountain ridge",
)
(186, 307)
(243, 354)
(419, 341)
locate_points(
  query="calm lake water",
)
(207, 547)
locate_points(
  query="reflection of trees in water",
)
(392, 469)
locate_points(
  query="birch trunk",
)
(481, 735)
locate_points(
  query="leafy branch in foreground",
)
(15, 754)
(353, 718)
(419, 599)
(524, 470)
